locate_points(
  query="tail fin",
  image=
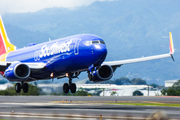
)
(5, 45)
(171, 46)
(171, 43)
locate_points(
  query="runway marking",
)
(105, 102)
(45, 117)
(76, 103)
(36, 104)
(65, 116)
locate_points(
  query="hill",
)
(130, 30)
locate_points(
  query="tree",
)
(33, 90)
(177, 84)
(154, 85)
(81, 93)
(172, 91)
(122, 81)
(138, 81)
(113, 93)
(137, 93)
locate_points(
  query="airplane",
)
(60, 58)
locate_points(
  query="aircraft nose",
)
(100, 50)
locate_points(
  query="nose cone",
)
(100, 52)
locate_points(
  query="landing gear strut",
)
(23, 86)
(71, 86)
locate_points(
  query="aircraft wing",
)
(118, 63)
(31, 65)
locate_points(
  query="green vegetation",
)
(138, 81)
(123, 81)
(113, 93)
(172, 91)
(148, 104)
(33, 90)
(78, 93)
(154, 85)
(81, 93)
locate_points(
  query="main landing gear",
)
(71, 86)
(23, 86)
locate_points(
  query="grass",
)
(148, 104)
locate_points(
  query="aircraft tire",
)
(18, 87)
(25, 87)
(73, 88)
(65, 88)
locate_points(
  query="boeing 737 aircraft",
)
(65, 57)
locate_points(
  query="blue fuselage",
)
(70, 54)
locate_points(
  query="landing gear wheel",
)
(65, 88)
(25, 87)
(73, 88)
(18, 87)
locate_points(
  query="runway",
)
(73, 107)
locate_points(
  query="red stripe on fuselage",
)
(2, 47)
(2, 73)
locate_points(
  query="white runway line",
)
(64, 116)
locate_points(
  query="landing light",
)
(52, 75)
(67, 75)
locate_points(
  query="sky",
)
(21, 6)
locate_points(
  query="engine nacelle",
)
(103, 73)
(17, 71)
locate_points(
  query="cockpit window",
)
(94, 42)
(102, 42)
(88, 43)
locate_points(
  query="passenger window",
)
(94, 42)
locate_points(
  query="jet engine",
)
(103, 73)
(17, 71)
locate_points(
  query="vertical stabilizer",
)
(5, 45)
(171, 46)
(171, 43)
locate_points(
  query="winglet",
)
(171, 43)
(171, 46)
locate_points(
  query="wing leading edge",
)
(121, 62)
(31, 65)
